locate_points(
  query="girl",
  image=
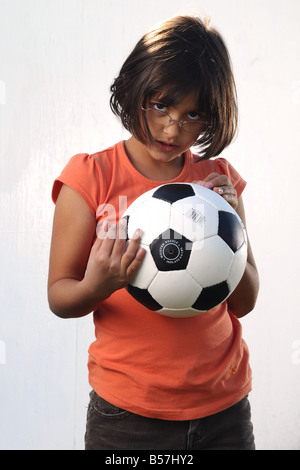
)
(158, 382)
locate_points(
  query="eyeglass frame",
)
(180, 123)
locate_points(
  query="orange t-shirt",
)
(144, 362)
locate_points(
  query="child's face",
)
(171, 140)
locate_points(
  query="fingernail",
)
(112, 231)
(122, 222)
(137, 234)
(141, 252)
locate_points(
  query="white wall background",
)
(57, 60)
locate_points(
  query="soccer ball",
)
(196, 249)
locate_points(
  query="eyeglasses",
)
(164, 119)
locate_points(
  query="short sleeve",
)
(82, 174)
(226, 168)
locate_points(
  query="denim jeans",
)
(112, 428)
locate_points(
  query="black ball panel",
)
(171, 251)
(230, 230)
(211, 296)
(173, 192)
(143, 297)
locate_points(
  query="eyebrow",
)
(169, 103)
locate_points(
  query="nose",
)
(172, 129)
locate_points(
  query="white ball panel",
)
(146, 272)
(153, 219)
(174, 289)
(213, 198)
(210, 261)
(144, 197)
(180, 313)
(238, 267)
(194, 218)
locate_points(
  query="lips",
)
(166, 146)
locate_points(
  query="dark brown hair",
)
(183, 55)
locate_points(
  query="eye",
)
(159, 107)
(194, 116)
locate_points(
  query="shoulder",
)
(87, 174)
(222, 166)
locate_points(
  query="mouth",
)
(166, 146)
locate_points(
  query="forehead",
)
(186, 102)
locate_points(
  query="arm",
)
(243, 298)
(82, 274)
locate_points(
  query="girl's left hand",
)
(222, 185)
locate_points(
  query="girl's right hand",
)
(112, 262)
(83, 273)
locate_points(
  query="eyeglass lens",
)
(162, 118)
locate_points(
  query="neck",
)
(152, 169)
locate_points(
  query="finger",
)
(131, 249)
(229, 194)
(232, 200)
(222, 190)
(134, 266)
(120, 241)
(109, 239)
(122, 229)
(101, 232)
(101, 229)
(211, 176)
(220, 180)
